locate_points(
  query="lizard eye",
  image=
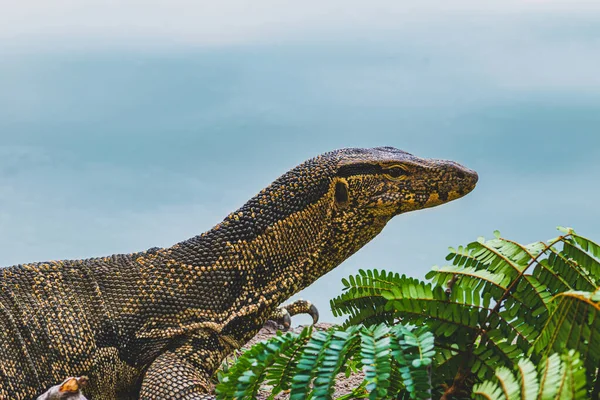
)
(396, 172)
(341, 193)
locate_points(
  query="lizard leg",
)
(283, 315)
(183, 371)
(172, 376)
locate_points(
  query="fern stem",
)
(429, 369)
(458, 385)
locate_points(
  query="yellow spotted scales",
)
(156, 324)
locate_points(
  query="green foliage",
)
(278, 355)
(496, 310)
(414, 355)
(574, 324)
(556, 378)
(494, 301)
(395, 360)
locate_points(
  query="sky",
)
(126, 125)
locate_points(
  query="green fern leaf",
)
(414, 352)
(558, 378)
(341, 343)
(574, 324)
(550, 377)
(313, 353)
(510, 387)
(376, 359)
(573, 378)
(528, 380)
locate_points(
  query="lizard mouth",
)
(470, 178)
(461, 182)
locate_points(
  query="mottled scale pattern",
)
(157, 324)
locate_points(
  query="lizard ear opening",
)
(341, 193)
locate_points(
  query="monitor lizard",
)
(157, 324)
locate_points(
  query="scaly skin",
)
(157, 324)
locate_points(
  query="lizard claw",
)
(283, 315)
(286, 321)
(314, 313)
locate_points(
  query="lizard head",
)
(368, 187)
(384, 182)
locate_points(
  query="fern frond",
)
(242, 380)
(528, 379)
(311, 361)
(557, 378)
(590, 259)
(376, 358)
(312, 354)
(510, 387)
(551, 369)
(342, 343)
(574, 276)
(362, 298)
(496, 255)
(574, 324)
(573, 378)
(281, 371)
(490, 305)
(496, 302)
(414, 353)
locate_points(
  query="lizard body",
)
(157, 324)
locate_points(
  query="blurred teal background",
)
(129, 125)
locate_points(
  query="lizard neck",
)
(232, 277)
(243, 259)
